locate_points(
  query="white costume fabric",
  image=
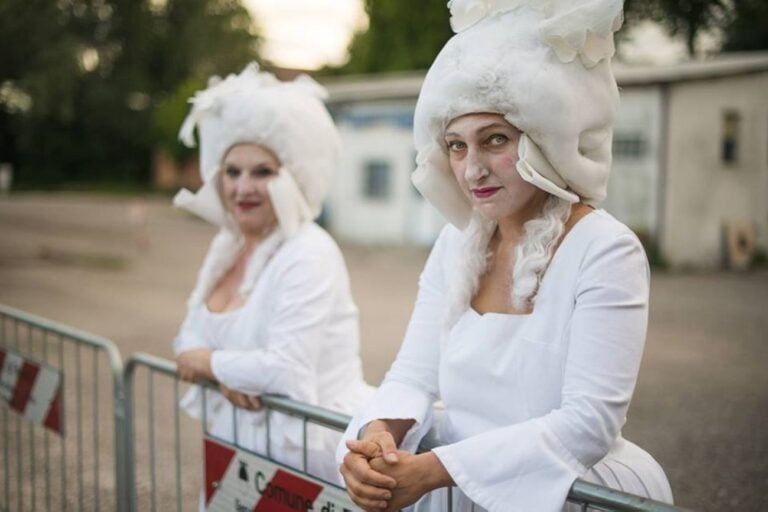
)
(545, 66)
(531, 401)
(296, 335)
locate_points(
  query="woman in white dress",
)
(532, 309)
(272, 310)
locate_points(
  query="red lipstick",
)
(485, 192)
(247, 205)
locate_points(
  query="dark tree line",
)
(81, 80)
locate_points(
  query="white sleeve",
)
(532, 465)
(189, 337)
(302, 302)
(411, 386)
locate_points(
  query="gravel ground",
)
(122, 268)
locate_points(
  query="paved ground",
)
(122, 268)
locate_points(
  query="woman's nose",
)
(246, 185)
(475, 169)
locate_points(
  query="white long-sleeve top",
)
(531, 401)
(296, 335)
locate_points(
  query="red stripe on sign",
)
(287, 492)
(24, 384)
(53, 418)
(217, 460)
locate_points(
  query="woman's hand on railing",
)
(195, 365)
(241, 400)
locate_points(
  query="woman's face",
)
(482, 150)
(245, 171)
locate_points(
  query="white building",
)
(690, 159)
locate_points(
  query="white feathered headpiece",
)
(288, 118)
(545, 66)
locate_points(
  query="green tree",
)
(402, 35)
(685, 18)
(748, 29)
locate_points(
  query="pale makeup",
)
(482, 151)
(246, 170)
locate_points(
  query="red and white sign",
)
(32, 389)
(237, 480)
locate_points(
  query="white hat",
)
(288, 118)
(545, 66)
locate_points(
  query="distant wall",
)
(704, 192)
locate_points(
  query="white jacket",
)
(531, 401)
(297, 335)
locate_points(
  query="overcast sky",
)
(307, 34)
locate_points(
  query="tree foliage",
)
(743, 23)
(748, 29)
(402, 35)
(95, 71)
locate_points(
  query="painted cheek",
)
(508, 161)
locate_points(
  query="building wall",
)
(397, 216)
(633, 184)
(703, 193)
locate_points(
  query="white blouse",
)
(296, 335)
(531, 402)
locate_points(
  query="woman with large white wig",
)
(272, 310)
(531, 316)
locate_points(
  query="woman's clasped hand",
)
(380, 477)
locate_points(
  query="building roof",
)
(406, 85)
(723, 65)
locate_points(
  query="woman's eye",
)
(263, 172)
(498, 139)
(456, 146)
(232, 172)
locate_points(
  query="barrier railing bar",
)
(177, 445)
(19, 487)
(619, 501)
(6, 463)
(79, 406)
(7, 481)
(46, 444)
(304, 444)
(268, 419)
(62, 444)
(152, 474)
(234, 426)
(96, 488)
(31, 430)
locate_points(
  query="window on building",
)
(629, 146)
(377, 179)
(730, 138)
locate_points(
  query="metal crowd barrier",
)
(184, 486)
(157, 457)
(72, 457)
(587, 495)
